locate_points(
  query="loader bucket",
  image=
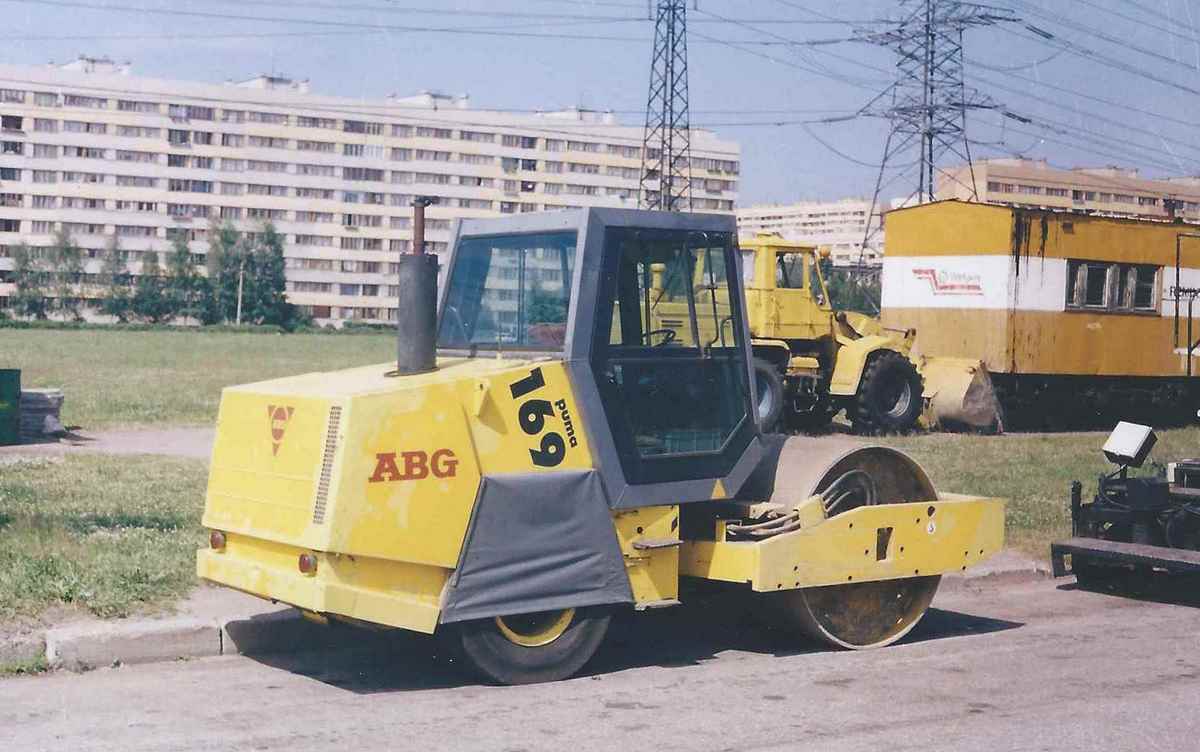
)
(960, 396)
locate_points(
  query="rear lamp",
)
(216, 540)
(308, 564)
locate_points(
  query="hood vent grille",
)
(331, 442)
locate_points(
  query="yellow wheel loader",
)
(812, 361)
(547, 451)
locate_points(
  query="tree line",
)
(242, 281)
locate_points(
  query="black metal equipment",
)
(416, 306)
(1133, 526)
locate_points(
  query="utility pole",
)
(930, 100)
(666, 182)
(241, 279)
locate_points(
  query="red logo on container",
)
(417, 465)
(279, 416)
(950, 283)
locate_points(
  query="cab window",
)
(789, 271)
(510, 291)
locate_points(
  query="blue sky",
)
(1117, 82)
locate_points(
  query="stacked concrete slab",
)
(40, 411)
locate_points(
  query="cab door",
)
(671, 366)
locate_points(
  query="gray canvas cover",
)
(537, 542)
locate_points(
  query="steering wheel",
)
(668, 336)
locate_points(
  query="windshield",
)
(674, 291)
(510, 291)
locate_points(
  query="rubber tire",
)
(766, 376)
(494, 658)
(882, 371)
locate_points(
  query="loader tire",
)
(532, 648)
(889, 396)
(768, 395)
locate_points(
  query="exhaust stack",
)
(416, 309)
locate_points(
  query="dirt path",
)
(195, 443)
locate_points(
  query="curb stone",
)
(90, 645)
(94, 644)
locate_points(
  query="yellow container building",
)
(1077, 317)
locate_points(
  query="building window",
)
(362, 173)
(402, 131)
(326, 171)
(426, 132)
(359, 126)
(272, 118)
(45, 151)
(322, 146)
(178, 137)
(428, 155)
(12, 147)
(15, 96)
(232, 139)
(1114, 287)
(78, 100)
(131, 105)
(12, 173)
(262, 166)
(137, 181)
(267, 142)
(477, 136)
(136, 156)
(304, 121)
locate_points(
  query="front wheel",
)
(530, 648)
(889, 395)
(768, 394)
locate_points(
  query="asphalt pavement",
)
(1035, 666)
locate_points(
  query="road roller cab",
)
(585, 441)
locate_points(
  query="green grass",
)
(27, 667)
(1034, 472)
(122, 379)
(109, 535)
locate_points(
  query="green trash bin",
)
(10, 406)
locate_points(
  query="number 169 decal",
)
(532, 415)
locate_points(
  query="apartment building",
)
(89, 148)
(839, 225)
(1111, 191)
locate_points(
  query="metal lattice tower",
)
(929, 102)
(666, 182)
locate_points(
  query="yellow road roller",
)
(550, 448)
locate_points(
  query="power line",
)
(1164, 29)
(1076, 111)
(1071, 24)
(1089, 97)
(1051, 39)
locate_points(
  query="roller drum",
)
(861, 614)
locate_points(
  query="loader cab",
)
(646, 311)
(786, 293)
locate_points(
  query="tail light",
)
(216, 540)
(308, 564)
